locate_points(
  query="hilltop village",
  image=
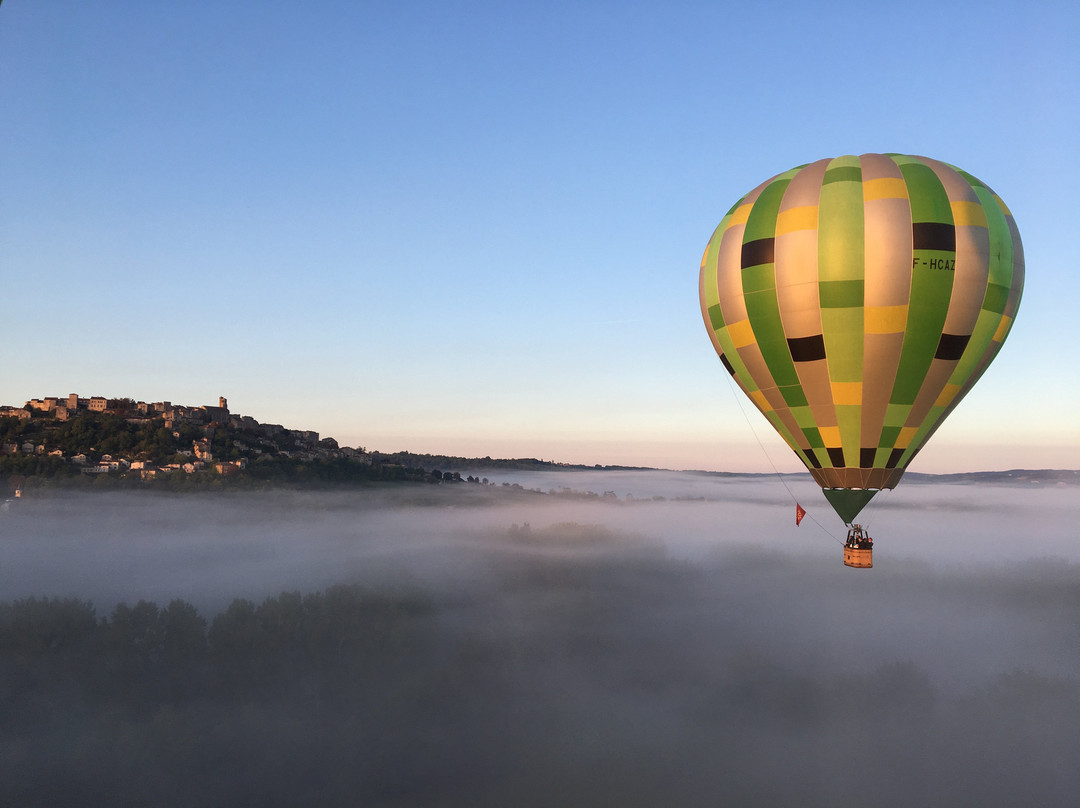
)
(122, 442)
(72, 440)
(74, 436)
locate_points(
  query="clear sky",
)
(475, 227)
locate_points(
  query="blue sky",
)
(475, 228)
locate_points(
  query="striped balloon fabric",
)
(856, 300)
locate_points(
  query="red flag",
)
(800, 512)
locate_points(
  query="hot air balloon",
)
(856, 301)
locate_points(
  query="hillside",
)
(123, 442)
(99, 441)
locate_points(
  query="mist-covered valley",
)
(584, 638)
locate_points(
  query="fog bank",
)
(691, 650)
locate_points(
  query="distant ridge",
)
(1018, 476)
(452, 463)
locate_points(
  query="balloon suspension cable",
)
(739, 400)
(874, 506)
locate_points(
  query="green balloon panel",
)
(856, 300)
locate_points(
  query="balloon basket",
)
(862, 559)
(859, 548)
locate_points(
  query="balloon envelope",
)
(856, 300)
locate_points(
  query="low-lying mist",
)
(686, 646)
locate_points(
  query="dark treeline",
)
(144, 656)
(155, 705)
(40, 472)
